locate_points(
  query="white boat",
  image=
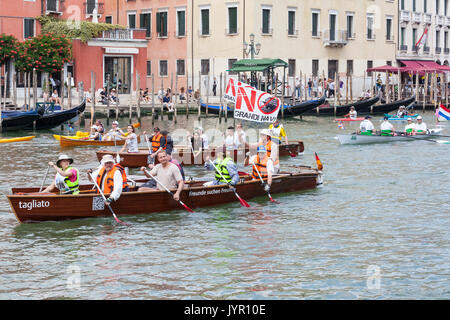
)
(362, 139)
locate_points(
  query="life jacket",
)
(72, 186)
(156, 142)
(108, 185)
(124, 175)
(269, 151)
(261, 165)
(222, 167)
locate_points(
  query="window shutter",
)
(164, 30)
(232, 13)
(158, 23)
(205, 21)
(181, 23)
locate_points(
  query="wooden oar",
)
(45, 177)
(242, 201)
(170, 192)
(149, 148)
(432, 140)
(262, 181)
(104, 198)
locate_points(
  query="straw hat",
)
(107, 158)
(63, 157)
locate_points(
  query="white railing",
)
(118, 34)
(427, 18)
(440, 20)
(416, 17)
(405, 16)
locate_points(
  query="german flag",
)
(319, 163)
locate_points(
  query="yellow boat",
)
(81, 134)
(17, 139)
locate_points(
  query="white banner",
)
(250, 103)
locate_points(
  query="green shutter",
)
(164, 30)
(266, 22)
(232, 16)
(158, 23)
(291, 23)
(181, 23)
(205, 21)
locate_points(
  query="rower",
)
(402, 112)
(166, 142)
(115, 133)
(271, 148)
(155, 140)
(131, 141)
(352, 114)
(264, 165)
(100, 127)
(410, 128)
(228, 140)
(109, 178)
(421, 127)
(387, 129)
(67, 178)
(240, 137)
(227, 168)
(278, 132)
(95, 134)
(366, 127)
(167, 174)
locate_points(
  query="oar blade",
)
(186, 207)
(242, 201)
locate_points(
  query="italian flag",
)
(423, 38)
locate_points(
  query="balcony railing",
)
(336, 38)
(416, 17)
(405, 16)
(427, 17)
(118, 34)
(440, 20)
(426, 50)
(447, 21)
(438, 50)
(403, 47)
(90, 6)
(415, 49)
(446, 50)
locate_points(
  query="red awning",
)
(434, 65)
(386, 68)
(422, 66)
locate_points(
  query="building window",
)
(266, 21)
(161, 24)
(205, 22)
(437, 6)
(315, 67)
(108, 19)
(389, 63)
(445, 7)
(389, 29)
(146, 23)
(205, 67)
(163, 71)
(438, 39)
(445, 39)
(332, 25)
(414, 5)
(149, 68)
(315, 24)
(350, 26)
(349, 67)
(28, 28)
(370, 31)
(291, 22)
(230, 65)
(402, 36)
(369, 66)
(414, 37)
(425, 6)
(291, 68)
(180, 68)
(132, 20)
(232, 20)
(181, 23)
(52, 5)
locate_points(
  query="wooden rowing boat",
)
(30, 206)
(348, 119)
(79, 135)
(77, 142)
(17, 139)
(363, 139)
(184, 155)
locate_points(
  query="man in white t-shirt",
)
(366, 126)
(421, 127)
(240, 136)
(387, 129)
(410, 128)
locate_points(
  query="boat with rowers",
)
(29, 205)
(184, 155)
(78, 142)
(363, 139)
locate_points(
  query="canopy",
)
(245, 65)
(413, 66)
(386, 68)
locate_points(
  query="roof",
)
(244, 65)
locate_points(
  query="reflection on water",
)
(382, 207)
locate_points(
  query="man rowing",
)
(278, 132)
(352, 114)
(225, 168)
(262, 166)
(366, 127)
(387, 129)
(421, 127)
(110, 178)
(167, 174)
(410, 128)
(271, 148)
(402, 112)
(156, 143)
(67, 177)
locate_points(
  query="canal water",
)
(378, 228)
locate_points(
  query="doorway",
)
(118, 70)
(333, 68)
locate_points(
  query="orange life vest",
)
(156, 142)
(124, 175)
(261, 165)
(269, 150)
(108, 185)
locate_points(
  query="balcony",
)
(416, 17)
(447, 21)
(118, 34)
(54, 7)
(426, 50)
(335, 39)
(427, 18)
(403, 48)
(415, 49)
(440, 20)
(405, 16)
(390, 38)
(446, 50)
(91, 6)
(438, 50)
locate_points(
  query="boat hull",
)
(49, 207)
(18, 120)
(19, 139)
(77, 142)
(51, 120)
(184, 155)
(362, 139)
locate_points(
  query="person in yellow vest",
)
(67, 177)
(109, 178)
(278, 132)
(262, 166)
(271, 148)
(227, 168)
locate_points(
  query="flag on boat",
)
(319, 163)
(250, 103)
(443, 113)
(340, 125)
(423, 38)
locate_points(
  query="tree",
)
(9, 48)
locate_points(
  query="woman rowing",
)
(115, 133)
(67, 178)
(131, 142)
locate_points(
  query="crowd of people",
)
(366, 127)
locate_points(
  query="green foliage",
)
(46, 53)
(9, 48)
(83, 30)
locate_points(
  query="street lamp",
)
(252, 49)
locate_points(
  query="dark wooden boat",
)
(53, 117)
(344, 109)
(184, 155)
(302, 108)
(30, 206)
(388, 107)
(215, 109)
(17, 120)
